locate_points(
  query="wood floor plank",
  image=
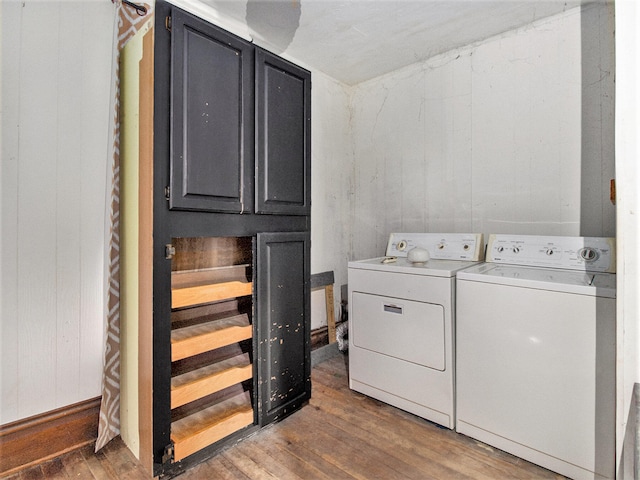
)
(391, 436)
(343, 445)
(464, 448)
(13, 476)
(273, 467)
(313, 434)
(55, 469)
(467, 454)
(339, 435)
(233, 471)
(441, 447)
(124, 464)
(309, 459)
(280, 464)
(212, 469)
(76, 467)
(247, 465)
(97, 464)
(33, 473)
(380, 442)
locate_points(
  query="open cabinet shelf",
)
(195, 384)
(209, 285)
(205, 426)
(200, 338)
(211, 342)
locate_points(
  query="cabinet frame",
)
(170, 223)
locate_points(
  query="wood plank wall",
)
(56, 74)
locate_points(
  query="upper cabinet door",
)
(212, 132)
(283, 140)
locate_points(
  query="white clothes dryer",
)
(401, 322)
(536, 352)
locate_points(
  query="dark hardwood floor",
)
(340, 434)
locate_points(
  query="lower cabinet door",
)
(283, 323)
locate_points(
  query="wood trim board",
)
(33, 440)
(145, 259)
(325, 280)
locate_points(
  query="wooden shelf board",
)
(203, 276)
(199, 294)
(207, 426)
(195, 287)
(196, 339)
(204, 381)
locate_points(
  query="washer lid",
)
(434, 268)
(568, 281)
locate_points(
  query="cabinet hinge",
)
(167, 22)
(167, 192)
(167, 456)
(169, 251)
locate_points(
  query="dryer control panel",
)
(592, 254)
(441, 246)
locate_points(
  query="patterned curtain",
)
(129, 18)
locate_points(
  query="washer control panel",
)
(441, 246)
(593, 254)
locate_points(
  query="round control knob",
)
(441, 246)
(549, 251)
(589, 254)
(466, 247)
(500, 249)
(402, 245)
(516, 249)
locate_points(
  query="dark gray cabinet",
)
(238, 113)
(231, 242)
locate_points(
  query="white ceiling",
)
(353, 41)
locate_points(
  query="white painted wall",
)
(597, 213)
(55, 129)
(489, 138)
(628, 240)
(331, 187)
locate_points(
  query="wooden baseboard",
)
(34, 440)
(319, 337)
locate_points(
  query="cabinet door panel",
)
(283, 309)
(283, 94)
(212, 118)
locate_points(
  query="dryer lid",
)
(433, 268)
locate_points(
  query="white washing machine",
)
(401, 322)
(536, 352)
